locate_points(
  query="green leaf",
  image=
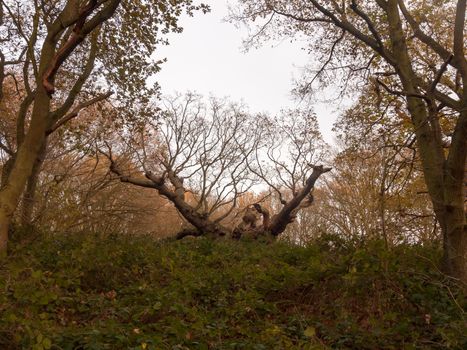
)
(47, 343)
(37, 274)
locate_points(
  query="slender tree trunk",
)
(455, 244)
(29, 196)
(4, 224)
(382, 200)
(382, 213)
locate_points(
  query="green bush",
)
(132, 292)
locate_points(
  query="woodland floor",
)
(120, 292)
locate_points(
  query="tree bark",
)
(443, 177)
(4, 225)
(42, 120)
(455, 216)
(287, 214)
(29, 196)
(6, 170)
(28, 152)
(199, 220)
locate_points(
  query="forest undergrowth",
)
(92, 291)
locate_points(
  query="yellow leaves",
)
(310, 332)
(162, 7)
(42, 343)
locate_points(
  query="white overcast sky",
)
(208, 58)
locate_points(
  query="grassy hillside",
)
(116, 292)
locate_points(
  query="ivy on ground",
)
(127, 292)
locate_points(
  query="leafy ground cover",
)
(120, 292)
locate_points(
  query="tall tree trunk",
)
(26, 156)
(71, 16)
(29, 148)
(443, 177)
(455, 224)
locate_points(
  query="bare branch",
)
(371, 26)
(75, 112)
(439, 74)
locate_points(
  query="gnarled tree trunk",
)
(287, 214)
(201, 222)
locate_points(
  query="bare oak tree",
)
(205, 158)
(195, 161)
